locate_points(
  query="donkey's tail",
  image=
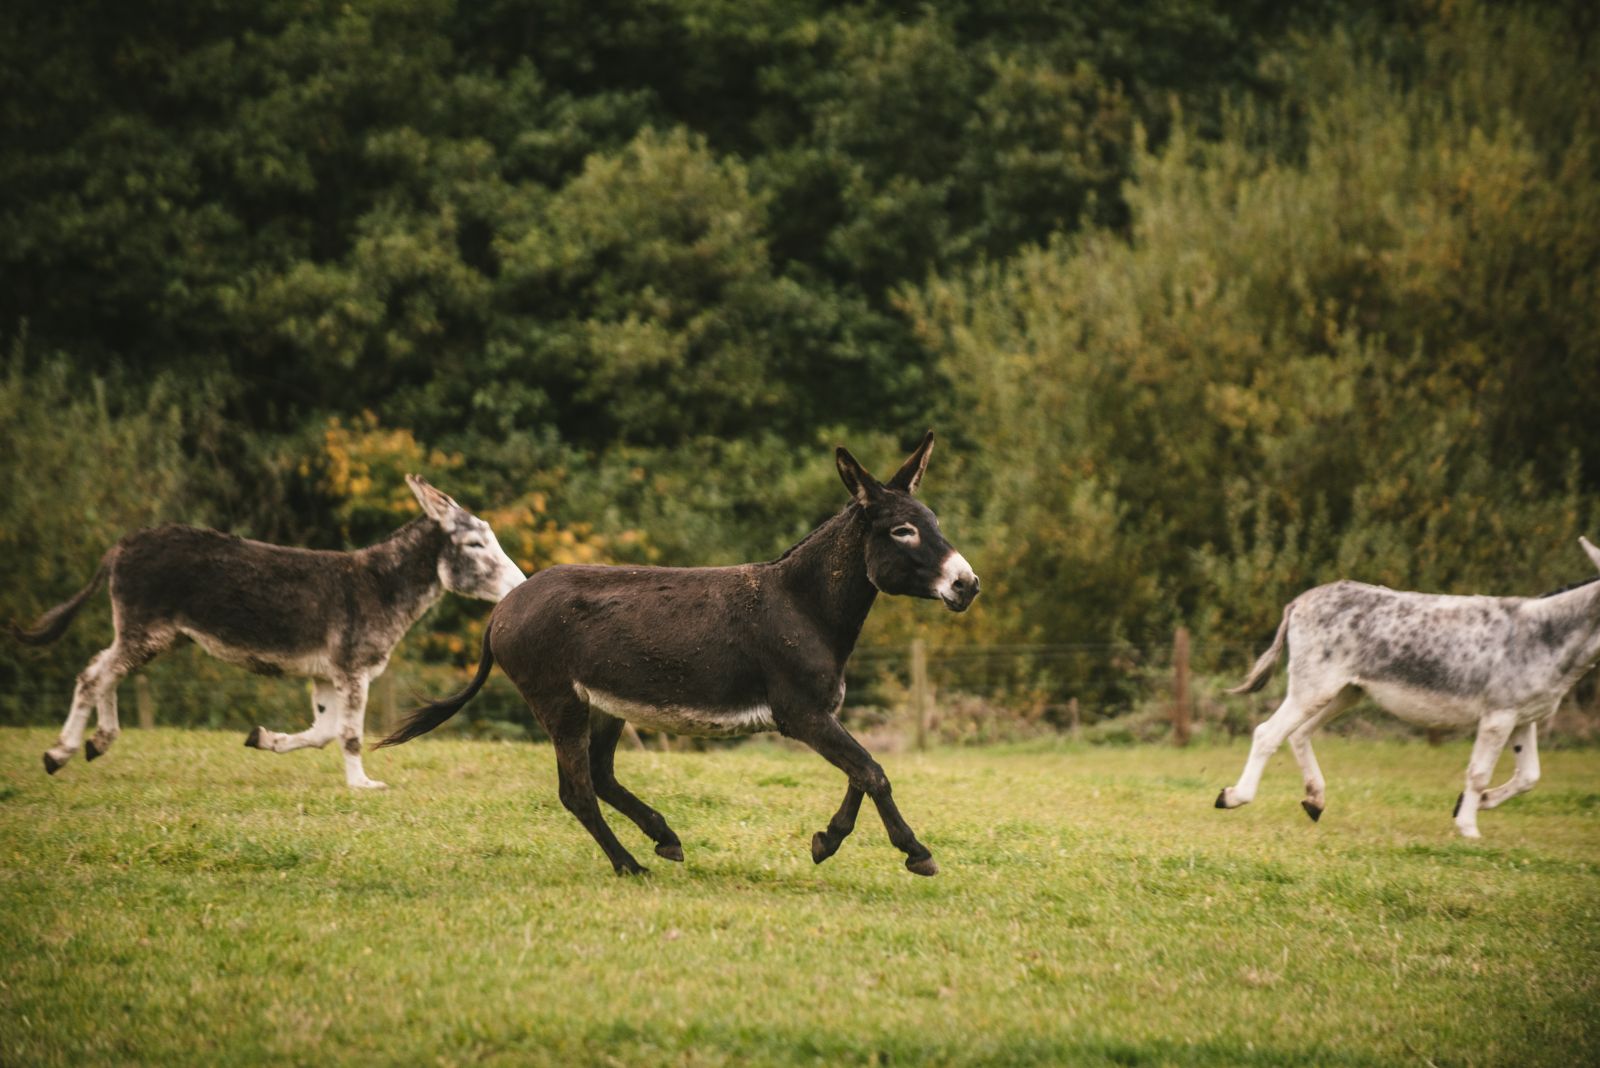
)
(430, 716)
(53, 624)
(1269, 659)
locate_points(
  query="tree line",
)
(1209, 302)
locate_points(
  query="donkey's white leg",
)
(1493, 730)
(1300, 744)
(1525, 745)
(1289, 717)
(107, 727)
(325, 718)
(86, 695)
(353, 691)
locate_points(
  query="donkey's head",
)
(906, 552)
(472, 563)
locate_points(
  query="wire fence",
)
(897, 696)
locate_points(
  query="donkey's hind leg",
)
(1300, 744)
(826, 842)
(604, 730)
(1293, 714)
(568, 727)
(96, 690)
(85, 696)
(107, 728)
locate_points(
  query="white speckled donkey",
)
(332, 616)
(1503, 663)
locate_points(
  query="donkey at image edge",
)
(718, 651)
(1501, 663)
(332, 616)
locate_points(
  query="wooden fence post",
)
(146, 702)
(1074, 722)
(919, 689)
(1180, 687)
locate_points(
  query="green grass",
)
(185, 900)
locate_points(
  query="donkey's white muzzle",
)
(958, 584)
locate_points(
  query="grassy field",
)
(185, 900)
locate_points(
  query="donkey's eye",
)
(474, 544)
(904, 532)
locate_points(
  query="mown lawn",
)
(185, 900)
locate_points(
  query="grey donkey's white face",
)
(472, 564)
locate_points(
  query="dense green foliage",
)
(188, 901)
(1210, 301)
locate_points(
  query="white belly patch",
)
(315, 665)
(680, 719)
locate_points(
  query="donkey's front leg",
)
(1525, 744)
(325, 718)
(1493, 730)
(353, 700)
(828, 737)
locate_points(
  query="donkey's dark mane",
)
(1569, 587)
(827, 525)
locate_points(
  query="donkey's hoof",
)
(822, 848)
(253, 740)
(92, 750)
(1313, 810)
(1457, 810)
(632, 867)
(1222, 798)
(51, 764)
(671, 852)
(925, 866)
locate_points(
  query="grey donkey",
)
(332, 616)
(1502, 663)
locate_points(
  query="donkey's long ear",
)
(1588, 547)
(909, 477)
(437, 505)
(862, 486)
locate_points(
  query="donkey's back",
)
(1431, 659)
(230, 593)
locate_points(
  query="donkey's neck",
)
(1569, 622)
(826, 575)
(404, 568)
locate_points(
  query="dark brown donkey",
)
(333, 616)
(718, 651)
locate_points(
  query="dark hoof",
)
(1313, 810)
(51, 764)
(634, 869)
(822, 848)
(1457, 810)
(925, 866)
(253, 741)
(92, 751)
(671, 852)
(1222, 796)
